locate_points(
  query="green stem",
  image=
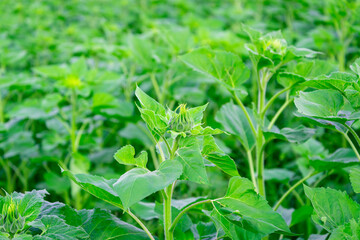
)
(156, 88)
(142, 225)
(2, 118)
(353, 133)
(351, 145)
(271, 101)
(238, 101)
(167, 213)
(251, 167)
(178, 217)
(7, 170)
(73, 121)
(260, 162)
(277, 205)
(278, 113)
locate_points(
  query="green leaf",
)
(301, 214)
(298, 134)
(225, 67)
(53, 227)
(29, 204)
(256, 213)
(324, 104)
(125, 155)
(341, 158)
(349, 231)
(149, 103)
(101, 224)
(97, 186)
(212, 153)
(232, 228)
(337, 81)
(355, 179)
(190, 157)
(51, 71)
(332, 208)
(139, 183)
(234, 121)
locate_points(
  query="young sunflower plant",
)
(186, 148)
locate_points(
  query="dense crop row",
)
(180, 119)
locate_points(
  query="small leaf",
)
(125, 155)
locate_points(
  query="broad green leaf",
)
(232, 228)
(101, 224)
(190, 157)
(349, 231)
(337, 81)
(235, 122)
(332, 208)
(138, 183)
(125, 155)
(324, 104)
(53, 227)
(341, 158)
(355, 179)
(225, 67)
(97, 186)
(254, 210)
(29, 204)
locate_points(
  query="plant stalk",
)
(141, 224)
(277, 205)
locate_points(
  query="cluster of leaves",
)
(29, 216)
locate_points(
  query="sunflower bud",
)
(276, 45)
(10, 219)
(72, 82)
(181, 121)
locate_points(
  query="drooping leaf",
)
(125, 155)
(139, 183)
(97, 186)
(341, 158)
(298, 134)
